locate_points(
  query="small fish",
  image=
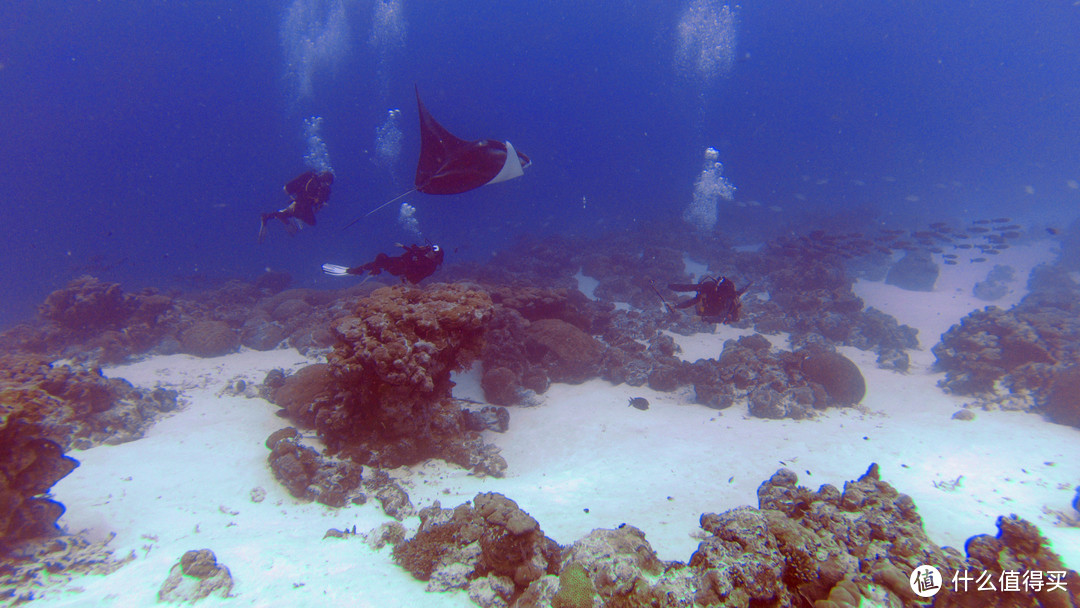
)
(1001, 220)
(640, 403)
(949, 262)
(978, 259)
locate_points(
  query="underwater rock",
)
(51, 561)
(565, 351)
(500, 386)
(196, 576)
(993, 287)
(86, 304)
(991, 343)
(387, 533)
(615, 563)
(274, 281)
(487, 418)
(290, 310)
(840, 376)
(77, 406)
(302, 393)
(309, 476)
(916, 271)
(490, 537)
(1063, 400)
(29, 466)
(260, 334)
(209, 339)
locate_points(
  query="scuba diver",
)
(416, 264)
(716, 300)
(309, 192)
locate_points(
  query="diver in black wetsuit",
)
(416, 264)
(309, 192)
(716, 300)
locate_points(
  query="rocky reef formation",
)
(97, 323)
(538, 336)
(815, 303)
(45, 410)
(27, 568)
(491, 547)
(384, 397)
(1032, 348)
(826, 548)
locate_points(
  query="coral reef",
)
(824, 548)
(29, 568)
(29, 466)
(384, 397)
(1032, 347)
(46, 410)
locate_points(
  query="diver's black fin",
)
(389, 202)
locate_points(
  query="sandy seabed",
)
(579, 460)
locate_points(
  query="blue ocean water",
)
(140, 141)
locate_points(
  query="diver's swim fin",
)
(335, 270)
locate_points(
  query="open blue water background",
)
(140, 140)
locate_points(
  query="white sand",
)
(187, 484)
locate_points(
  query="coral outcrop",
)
(384, 397)
(46, 410)
(1031, 348)
(490, 547)
(309, 476)
(196, 576)
(826, 548)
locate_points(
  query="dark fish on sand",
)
(639, 403)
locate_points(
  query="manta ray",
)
(451, 165)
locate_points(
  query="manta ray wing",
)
(451, 165)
